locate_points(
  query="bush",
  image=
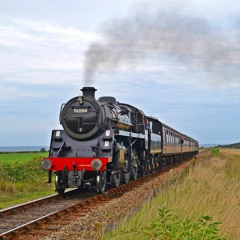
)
(22, 172)
(169, 226)
(215, 151)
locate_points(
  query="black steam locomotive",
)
(107, 142)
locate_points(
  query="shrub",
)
(168, 226)
(215, 151)
(22, 172)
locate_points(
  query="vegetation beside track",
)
(207, 194)
(22, 179)
(204, 204)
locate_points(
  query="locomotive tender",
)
(107, 142)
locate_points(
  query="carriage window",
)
(132, 117)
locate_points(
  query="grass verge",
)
(211, 190)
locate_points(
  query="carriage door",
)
(139, 123)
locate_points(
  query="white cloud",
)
(21, 32)
(32, 48)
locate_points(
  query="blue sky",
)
(178, 61)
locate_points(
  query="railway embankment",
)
(208, 197)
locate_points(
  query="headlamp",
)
(46, 164)
(96, 164)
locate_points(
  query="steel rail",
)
(23, 206)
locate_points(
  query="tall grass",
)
(211, 188)
(233, 167)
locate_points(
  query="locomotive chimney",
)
(89, 92)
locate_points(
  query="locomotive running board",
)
(129, 134)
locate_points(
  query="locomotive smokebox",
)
(89, 92)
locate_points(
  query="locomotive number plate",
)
(80, 110)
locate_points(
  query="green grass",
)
(25, 194)
(22, 178)
(211, 189)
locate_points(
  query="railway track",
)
(40, 218)
(20, 218)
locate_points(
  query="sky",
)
(176, 60)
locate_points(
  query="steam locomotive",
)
(107, 142)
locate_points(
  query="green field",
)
(11, 158)
(22, 178)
